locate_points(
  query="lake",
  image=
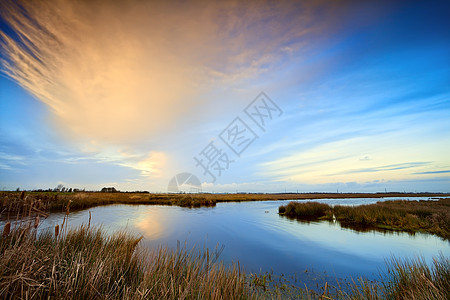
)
(262, 240)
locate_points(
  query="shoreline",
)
(373, 216)
(13, 202)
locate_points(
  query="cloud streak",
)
(115, 72)
(393, 167)
(138, 87)
(434, 172)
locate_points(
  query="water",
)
(262, 240)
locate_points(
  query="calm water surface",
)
(254, 234)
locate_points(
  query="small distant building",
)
(109, 190)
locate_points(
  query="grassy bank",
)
(307, 210)
(85, 263)
(412, 216)
(23, 203)
(13, 203)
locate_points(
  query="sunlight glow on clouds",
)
(113, 71)
(341, 161)
(152, 164)
(125, 93)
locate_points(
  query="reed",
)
(412, 216)
(407, 279)
(306, 210)
(14, 203)
(84, 263)
(6, 229)
(414, 279)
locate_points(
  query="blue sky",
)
(130, 97)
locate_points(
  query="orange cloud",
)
(115, 71)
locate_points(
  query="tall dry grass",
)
(410, 279)
(412, 216)
(21, 202)
(84, 263)
(305, 210)
(24, 204)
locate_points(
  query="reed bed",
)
(84, 263)
(411, 279)
(12, 203)
(412, 216)
(407, 279)
(306, 210)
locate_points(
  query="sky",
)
(251, 96)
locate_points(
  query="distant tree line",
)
(109, 190)
(62, 189)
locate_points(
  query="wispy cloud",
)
(119, 71)
(434, 172)
(5, 166)
(393, 167)
(129, 91)
(386, 156)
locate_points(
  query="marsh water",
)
(262, 240)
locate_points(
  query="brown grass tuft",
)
(68, 207)
(36, 221)
(6, 229)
